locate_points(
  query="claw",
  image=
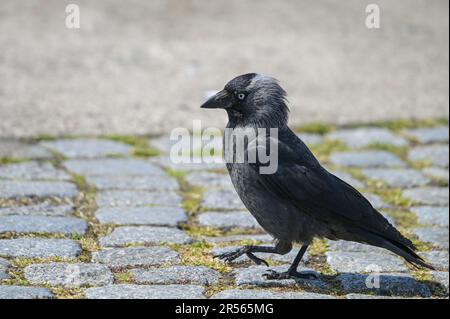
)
(257, 260)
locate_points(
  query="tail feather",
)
(397, 248)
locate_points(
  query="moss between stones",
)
(402, 124)
(199, 254)
(68, 293)
(141, 146)
(123, 277)
(315, 128)
(401, 152)
(323, 150)
(11, 160)
(393, 196)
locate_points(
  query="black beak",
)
(220, 100)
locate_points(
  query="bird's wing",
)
(318, 193)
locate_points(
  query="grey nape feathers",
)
(301, 200)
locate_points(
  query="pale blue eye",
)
(241, 96)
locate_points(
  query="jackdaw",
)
(301, 200)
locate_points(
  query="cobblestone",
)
(367, 159)
(68, 275)
(389, 285)
(195, 275)
(436, 154)
(32, 171)
(42, 224)
(156, 216)
(39, 248)
(144, 235)
(23, 292)
(87, 148)
(362, 137)
(228, 220)
(146, 292)
(136, 257)
(141, 228)
(13, 189)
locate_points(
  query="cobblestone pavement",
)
(112, 217)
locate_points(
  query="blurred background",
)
(145, 66)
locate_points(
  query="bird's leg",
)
(292, 271)
(280, 248)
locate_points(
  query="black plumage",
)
(301, 200)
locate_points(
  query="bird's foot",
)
(293, 274)
(257, 260)
(232, 255)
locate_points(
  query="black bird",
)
(301, 200)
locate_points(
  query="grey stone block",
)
(361, 137)
(194, 275)
(393, 284)
(438, 236)
(438, 259)
(137, 198)
(13, 189)
(23, 292)
(429, 134)
(39, 248)
(146, 292)
(253, 276)
(42, 209)
(431, 215)
(144, 235)
(222, 199)
(228, 220)
(428, 195)
(114, 167)
(156, 216)
(367, 159)
(87, 148)
(341, 261)
(158, 182)
(209, 180)
(42, 224)
(136, 257)
(32, 171)
(403, 178)
(68, 275)
(436, 154)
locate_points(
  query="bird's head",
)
(252, 100)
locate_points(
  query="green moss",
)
(141, 146)
(198, 232)
(199, 254)
(123, 277)
(402, 124)
(323, 150)
(145, 151)
(315, 128)
(318, 247)
(401, 152)
(177, 174)
(403, 218)
(68, 293)
(10, 160)
(393, 196)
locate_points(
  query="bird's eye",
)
(240, 96)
